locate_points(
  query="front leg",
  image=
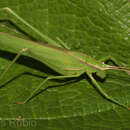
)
(109, 58)
(105, 94)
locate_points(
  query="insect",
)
(59, 58)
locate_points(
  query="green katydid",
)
(64, 61)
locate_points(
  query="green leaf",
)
(96, 27)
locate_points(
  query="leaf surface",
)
(98, 28)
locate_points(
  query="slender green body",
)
(68, 63)
(61, 60)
